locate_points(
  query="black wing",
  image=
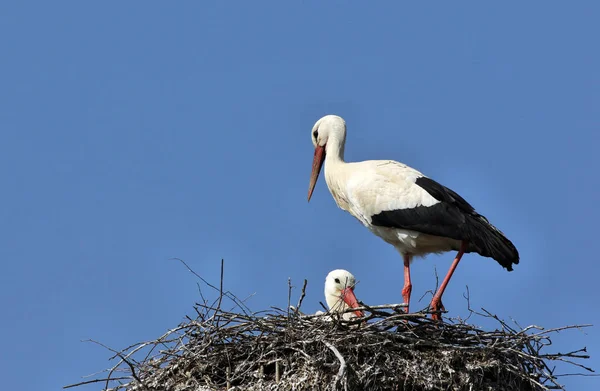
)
(445, 218)
(453, 217)
(442, 193)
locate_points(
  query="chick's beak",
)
(350, 299)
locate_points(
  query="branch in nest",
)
(342, 370)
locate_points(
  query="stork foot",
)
(436, 306)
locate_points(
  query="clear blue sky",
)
(134, 132)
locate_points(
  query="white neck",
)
(334, 150)
(334, 171)
(335, 303)
(338, 306)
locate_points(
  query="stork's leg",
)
(436, 303)
(407, 285)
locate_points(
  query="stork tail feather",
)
(489, 241)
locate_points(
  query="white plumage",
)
(339, 294)
(373, 186)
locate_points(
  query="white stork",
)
(339, 293)
(405, 208)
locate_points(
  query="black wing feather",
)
(453, 217)
(444, 194)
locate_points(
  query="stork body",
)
(408, 210)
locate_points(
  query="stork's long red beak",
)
(316, 168)
(350, 299)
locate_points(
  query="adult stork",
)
(408, 210)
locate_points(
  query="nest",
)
(287, 350)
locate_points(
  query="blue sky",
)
(134, 132)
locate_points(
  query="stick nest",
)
(287, 350)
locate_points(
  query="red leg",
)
(436, 302)
(407, 285)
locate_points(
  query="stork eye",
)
(316, 134)
(337, 280)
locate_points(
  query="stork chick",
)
(339, 293)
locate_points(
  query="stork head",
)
(329, 130)
(339, 292)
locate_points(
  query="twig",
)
(340, 358)
(95, 381)
(302, 295)
(227, 294)
(228, 374)
(221, 285)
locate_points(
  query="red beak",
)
(316, 168)
(350, 299)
